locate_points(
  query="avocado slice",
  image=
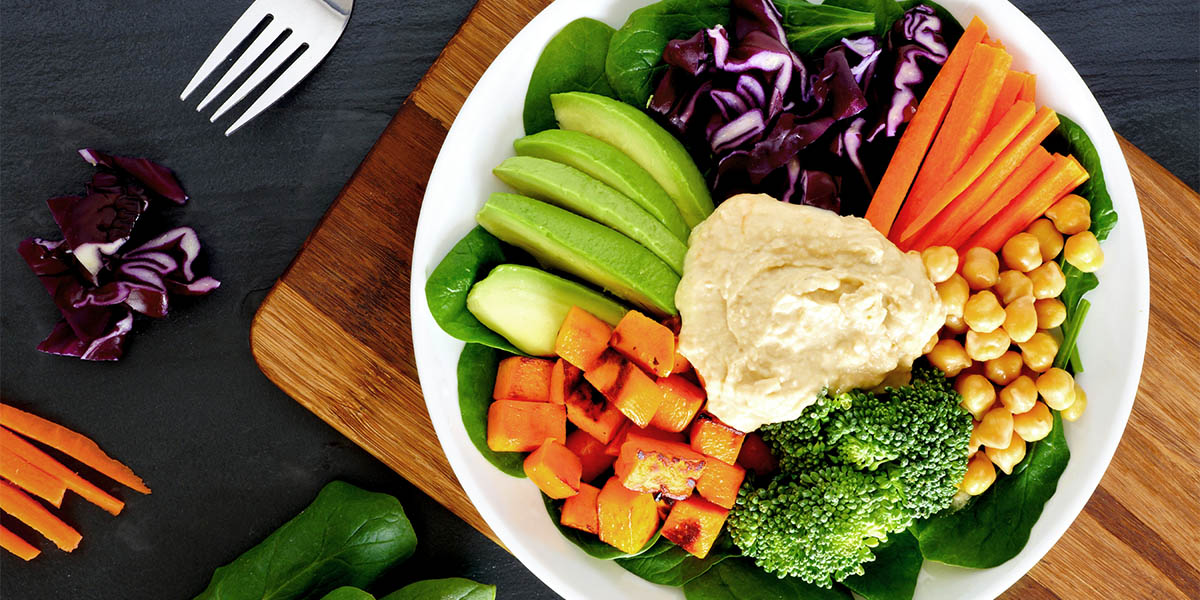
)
(527, 306)
(637, 135)
(611, 166)
(574, 190)
(566, 241)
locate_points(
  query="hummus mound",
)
(779, 301)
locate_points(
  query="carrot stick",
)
(1029, 90)
(1015, 120)
(30, 478)
(19, 547)
(1055, 182)
(1013, 82)
(70, 443)
(960, 133)
(28, 511)
(74, 482)
(914, 143)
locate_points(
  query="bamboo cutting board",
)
(334, 333)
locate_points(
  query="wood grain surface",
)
(334, 333)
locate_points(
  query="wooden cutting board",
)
(334, 334)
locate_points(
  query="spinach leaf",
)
(741, 579)
(995, 526)
(667, 564)
(635, 53)
(812, 27)
(476, 379)
(588, 542)
(347, 536)
(573, 61)
(446, 290)
(893, 573)
(454, 588)
(347, 592)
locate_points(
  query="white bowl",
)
(1111, 345)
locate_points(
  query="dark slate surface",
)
(229, 455)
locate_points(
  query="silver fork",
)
(314, 27)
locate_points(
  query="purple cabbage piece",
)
(144, 277)
(108, 346)
(916, 41)
(153, 176)
(97, 225)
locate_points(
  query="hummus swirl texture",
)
(779, 301)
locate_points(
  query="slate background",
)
(231, 457)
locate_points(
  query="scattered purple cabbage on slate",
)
(95, 279)
(816, 131)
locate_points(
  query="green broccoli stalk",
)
(853, 468)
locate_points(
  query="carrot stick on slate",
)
(1029, 90)
(74, 482)
(1055, 182)
(30, 478)
(1013, 82)
(19, 547)
(29, 512)
(914, 143)
(1015, 120)
(70, 443)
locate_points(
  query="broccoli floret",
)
(854, 468)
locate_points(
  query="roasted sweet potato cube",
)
(680, 403)
(720, 482)
(593, 413)
(554, 469)
(664, 506)
(523, 378)
(515, 426)
(644, 341)
(580, 512)
(614, 447)
(635, 394)
(756, 456)
(582, 338)
(628, 519)
(565, 378)
(711, 437)
(605, 370)
(694, 525)
(682, 364)
(669, 469)
(590, 451)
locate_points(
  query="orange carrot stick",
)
(70, 443)
(961, 132)
(30, 478)
(19, 547)
(1055, 182)
(1029, 90)
(1013, 82)
(28, 511)
(1015, 120)
(74, 482)
(914, 143)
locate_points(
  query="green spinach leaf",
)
(454, 588)
(893, 573)
(741, 579)
(348, 593)
(347, 536)
(811, 27)
(476, 379)
(635, 52)
(446, 290)
(588, 542)
(995, 526)
(667, 564)
(573, 61)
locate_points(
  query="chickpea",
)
(1020, 395)
(1057, 388)
(1020, 319)
(1071, 215)
(954, 292)
(973, 444)
(1049, 239)
(940, 262)
(980, 475)
(1004, 369)
(1006, 458)
(1038, 353)
(1051, 312)
(1013, 284)
(1034, 424)
(955, 326)
(978, 394)
(1083, 251)
(996, 428)
(986, 346)
(1022, 252)
(1075, 410)
(949, 356)
(983, 312)
(931, 343)
(1048, 281)
(981, 268)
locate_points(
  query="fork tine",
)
(304, 64)
(281, 54)
(252, 53)
(242, 28)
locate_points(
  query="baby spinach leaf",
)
(347, 536)
(454, 588)
(741, 579)
(446, 290)
(893, 573)
(476, 378)
(995, 526)
(588, 542)
(573, 61)
(635, 53)
(667, 564)
(348, 593)
(812, 27)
